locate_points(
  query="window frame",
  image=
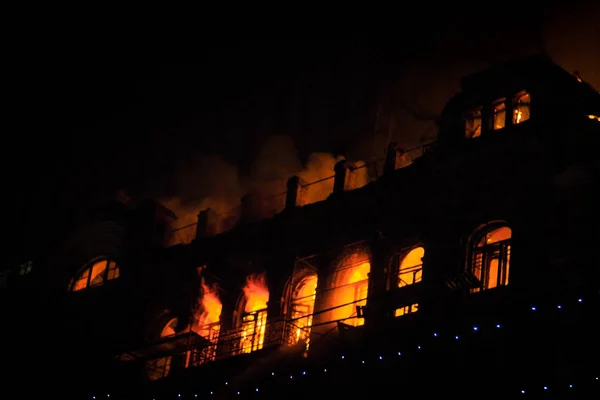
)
(499, 250)
(111, 266)
(400, 257)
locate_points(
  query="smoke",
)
(407, 108)
(210, 182)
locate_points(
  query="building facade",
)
(471, 269)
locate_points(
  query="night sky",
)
(89, 124)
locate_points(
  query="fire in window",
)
(254, 317)
(473, 123)
(303, 303)
(521, 107)
(499, 114)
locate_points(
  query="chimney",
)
(206, 224)
(296, 188)
(343, 176)
(395, 158)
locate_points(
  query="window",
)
(521, 107)
(25, 268)
(499, 114)
(406, 310)
(95, 273)
(160, 367)
(302, 309)
(490, 256)
(253, 331)
(169, 328)
(473, 123)
(410, 269)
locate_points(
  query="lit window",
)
(169, 328)
(521, 107)
(96, 273)
(473, 123)
(490, 256)
(406, 310)
(302, 310)
(158, 368)
(254, 313)
(25, 268)
(499, 114)
(410, 269)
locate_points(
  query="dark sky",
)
(86, 124)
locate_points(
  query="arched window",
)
(490, 256)
(95, 273)
(169, 328)
(160, 367)
(302, 304)
(410, 269)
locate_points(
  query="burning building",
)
(472, 268)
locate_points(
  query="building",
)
(407, 285)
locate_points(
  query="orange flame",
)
(256, 293)
(209, 311)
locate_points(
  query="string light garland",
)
(296, 376)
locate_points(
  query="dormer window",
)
(521, 107)
(96, 273)
(473, 123)
(499, 114)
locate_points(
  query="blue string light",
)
(399, 353)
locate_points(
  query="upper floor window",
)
(499, 114)
(96, 273)
(410, 269)
(490, 256)
(521, 107)
(473, 123)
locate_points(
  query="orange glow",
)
(344, 299)
(499, 115)
(96, 274)
(411, 267)
(208, 314)
(256, 293)
(256, 297)
(490, 261)
(406, 310)
(303, 303)
(473, 124)
(597, 118)
(160, 367)
(169, 328)
(521, 107)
